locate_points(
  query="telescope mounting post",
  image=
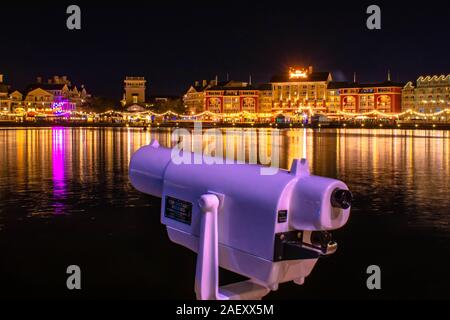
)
(207, 269)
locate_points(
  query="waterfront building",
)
(333, 103)
(303, 90)
(229, 97)
(57, 93)
(232, 97)
(10, 99)
(353, 97)
(5, 101)
(49, 96)
(16, 99)
(429, 94)
(195, 97)
(62, 89)
(300, 89)
(265, 98)
(134, 91)
(38, 99)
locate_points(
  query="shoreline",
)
(207, 125)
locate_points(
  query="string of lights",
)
(248, 114)
(197, 115)
(394, 115)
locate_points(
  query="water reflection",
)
(44, 172)
(58, 163)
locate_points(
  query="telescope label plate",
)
(282, 216)
(178, 210)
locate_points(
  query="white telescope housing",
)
(269, 228)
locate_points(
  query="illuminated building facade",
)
(134, 91)
(57, 93)
(265, 99)
(429, 94)
(300, 88)
(5, 101)
(303, 90)
(353, 97)
(228, 97)
(194, 98)
(232, 97)
(16, 100)
(38, 98)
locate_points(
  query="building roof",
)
(135, 108)
(265, 86)
(314, 76)
(46, 86)
(199, 88)
(351, 85)
(12, 90)
(233, 88)
(342, 84)
(232, 85)
(413, 84)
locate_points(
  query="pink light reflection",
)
(59, 183)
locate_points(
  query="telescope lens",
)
(341, 198)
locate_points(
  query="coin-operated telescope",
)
(269, 228)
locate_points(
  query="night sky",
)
(174, 43)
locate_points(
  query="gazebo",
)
(135, 108)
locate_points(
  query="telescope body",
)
(265, 222)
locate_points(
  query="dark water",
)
(65, 199)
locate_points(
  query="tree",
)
(171, 104)
(100, 104)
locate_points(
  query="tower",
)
(134, 90)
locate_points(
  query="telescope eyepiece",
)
(341, 198)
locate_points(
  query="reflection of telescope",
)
(271, 229)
